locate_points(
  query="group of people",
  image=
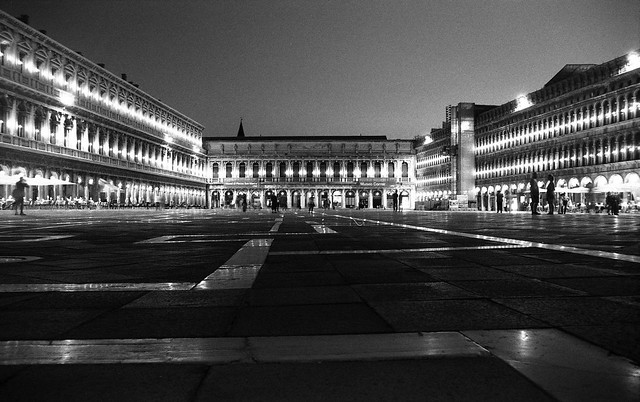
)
(612, 201)
(612, 204)
(550, 196)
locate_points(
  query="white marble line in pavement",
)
(566, 367)
(16, 238)
(92, 287)
(323, 229)
(276, 226)
(246, 350)
(522, 243)
(241, 270)
(395, 251)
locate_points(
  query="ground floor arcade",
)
(300, 197)
(583, 192)
(77, 185)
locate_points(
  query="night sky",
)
(335, 67)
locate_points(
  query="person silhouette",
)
(18, 194)
(535, 193)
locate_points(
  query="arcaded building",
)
(583, 127)
(75, 130)
(336, 171)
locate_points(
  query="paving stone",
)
(514, 288)
(200, 298)
(42, 324)
(575, 310)
(267, 279)
(543, 270)
(301, 295)
(613, 337)
(447, 315)
(453, 379)
(472, 273)
(296, 263)
(131, 382)
(157, 323)
(307, 319)
(410, 292)
(604, 286)
(76, 300)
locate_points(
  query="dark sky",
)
(339, 67)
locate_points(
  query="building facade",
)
(583, 127)
(337, 172)
(75, 130)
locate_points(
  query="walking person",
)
(18, 194)
(535, 193)
(551, 194)
(499, 199)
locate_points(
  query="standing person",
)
(312, 204)
(244, 203)
(551, 194)
(563, 206)
(615, 203)
(394, 197)
(499, 198)
(608, 203)
(18, 195)
(535, 194)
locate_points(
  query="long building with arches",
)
(75, 130)
(334, 171)
(583, 127)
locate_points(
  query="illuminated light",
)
(522, 102)
(66, 98)
(633, 62)
(14, 60)
(31, 68)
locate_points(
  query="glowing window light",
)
(14, 60)
(66, 98)
(30, 67)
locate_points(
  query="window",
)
(309, 169)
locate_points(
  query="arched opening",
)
(228, 199)
(336, 199)
(350, 199)
(377, 199)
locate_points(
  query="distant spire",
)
(240, 130)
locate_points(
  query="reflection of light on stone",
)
(524, 343)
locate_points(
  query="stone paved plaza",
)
(193, 305)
